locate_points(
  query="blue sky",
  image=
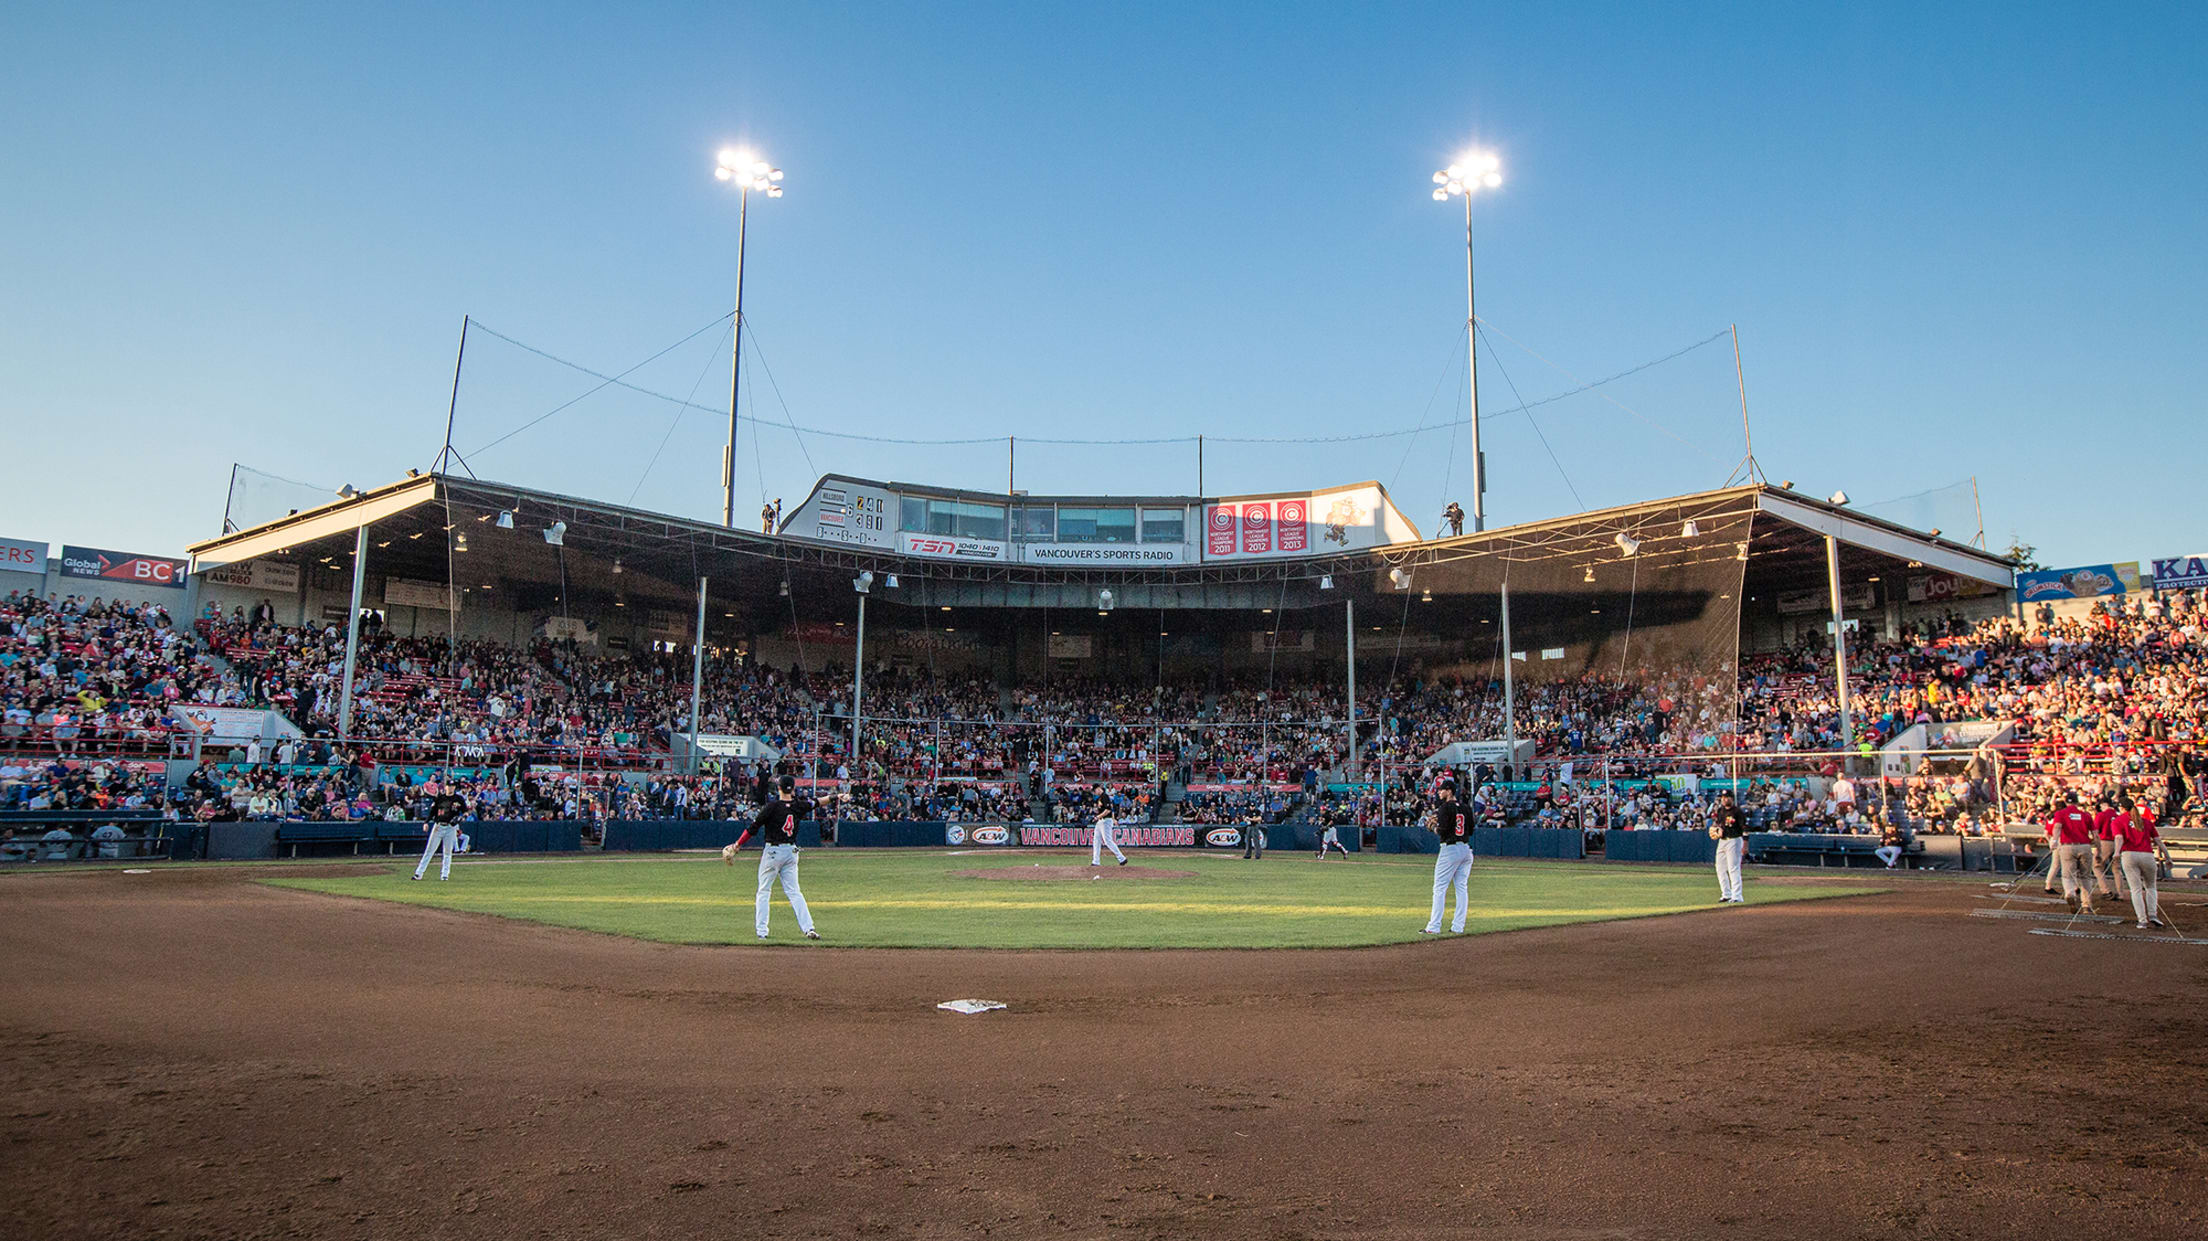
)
(1957, 240)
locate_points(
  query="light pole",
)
(864, 585)
(747, 172)
(1459, 180)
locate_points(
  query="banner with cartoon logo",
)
(2084, 582)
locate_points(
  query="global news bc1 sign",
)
(122, 567)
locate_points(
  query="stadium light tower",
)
(1473, 172)
(747, 172)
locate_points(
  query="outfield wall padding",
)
(1527, 842)
(1624, 846)
(661, 835)
(886, 835)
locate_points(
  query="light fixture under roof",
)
(1590, 574)
(1690, 530)
(1627, 543)
(506, 519)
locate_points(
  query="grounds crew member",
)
(1453, 868)
(2070, 835)
(445, 811)
(1729, 828)
(2108, 871)
(777, 828)
(2137, 843)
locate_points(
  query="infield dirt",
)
(191, 1054)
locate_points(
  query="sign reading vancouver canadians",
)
(129, 567)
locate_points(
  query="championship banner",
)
(1220, 528)
(22, 556)
(1072, 646)
(2084, 582)
(1257, 529)
(1293, 536)
(122, 567)
(1349, 518)
(268, 575)
(1129, 837)
(2176, 572)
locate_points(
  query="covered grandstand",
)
(1664, 592)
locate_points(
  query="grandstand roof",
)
(416, 524)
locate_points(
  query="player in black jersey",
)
(446, 808)
(777, 827)
(1453, 824)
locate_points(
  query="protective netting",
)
(257, 497)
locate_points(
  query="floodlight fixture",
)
(556, 534)
(506, 519)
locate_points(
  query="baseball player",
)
(777, 828)
(1328, 836)
(445, 809)
(1104, 836)
(1453, 868)
(1730, 830)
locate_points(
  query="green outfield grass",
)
(914, 899)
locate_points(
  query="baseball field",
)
(872, 898)
(597, 1049)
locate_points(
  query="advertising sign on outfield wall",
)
(122, 567)
(22, 556)
(1129, 837)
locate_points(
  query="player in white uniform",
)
(1105, 836)
(1330, 837)
(1453, 866)
(445, 809)
(777, 828)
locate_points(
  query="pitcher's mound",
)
(1109, 871)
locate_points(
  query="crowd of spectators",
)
(2107, 701)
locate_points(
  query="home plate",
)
(969, 1007)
